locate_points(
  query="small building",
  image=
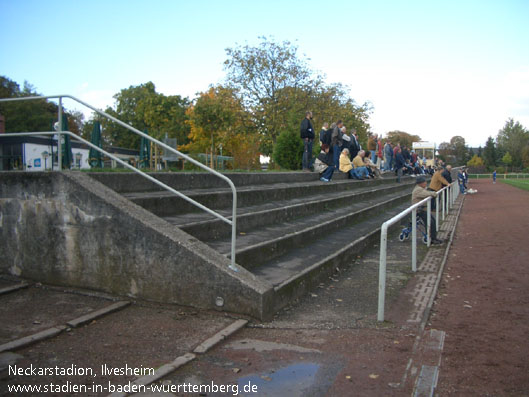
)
(425, 150)
(39, 153)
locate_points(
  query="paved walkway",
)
(483, 301)
(329, 344)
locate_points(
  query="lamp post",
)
(78, 157)
(45, 156)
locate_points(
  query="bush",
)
(288, 150)
(475, 161)
(500, 170)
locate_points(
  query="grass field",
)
(519, 183)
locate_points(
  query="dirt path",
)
(483, 300)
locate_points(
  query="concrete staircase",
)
(293, 230)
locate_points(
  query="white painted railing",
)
(232, 222)
(447, 196)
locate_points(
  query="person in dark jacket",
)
(399, 164)
(354, 147)
(337, 142)
(324, 129)
(307, 134)
(447, 173)
(325, 164)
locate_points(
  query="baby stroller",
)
(421, 228)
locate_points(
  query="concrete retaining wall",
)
(68, 229)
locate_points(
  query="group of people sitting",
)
(343, 152)
(337, 150)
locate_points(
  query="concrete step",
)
(208, 228)
(165, 204)
(132, 182)
(263, 244)
(302, 269)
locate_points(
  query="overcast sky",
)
(431, 68)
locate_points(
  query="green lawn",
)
(519, 183)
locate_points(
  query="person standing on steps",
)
(420, 193)
(307, 134)
(399, 163)
(337, 142)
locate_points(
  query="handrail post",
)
(443, 202)
(437, 213)
(414, 240)
(59, 136)
(234, 231)
(382, 271)
(448, 199)
(429, 221)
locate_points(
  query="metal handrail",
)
(232, 222)
(453, 194)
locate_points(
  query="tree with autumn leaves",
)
(218, 120)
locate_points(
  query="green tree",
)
(490, 156)
(25, 116)
(145, 109)
(507, 159)
(277, 87)
(288, 150)
(525, 157)
(475, 161)
(214, 119)
(512, 138)
(403, 138)
(460, 150)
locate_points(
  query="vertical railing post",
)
(382, 271)
(59, 136)
(234, 232)
(437, 212)
(448, 199)
(443, 202)
(414, 240)
(429, 220)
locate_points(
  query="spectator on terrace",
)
(420, 193)
(345, 164)
(372, 146)
(307, 135)
(359, 168)
(355, 147)
(324, 129)
(337, 142)
(388, 156)
(447, 174)
(438, 181)
(399, 163)
(380, 156)
(324, 164)
(374, 172)
(346, 140)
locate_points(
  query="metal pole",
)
(59, 136)
(382, 271)
(429, 221)
(448, 198)
(443, 195)
(234, 232)
(414, 240)
(437, 213)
